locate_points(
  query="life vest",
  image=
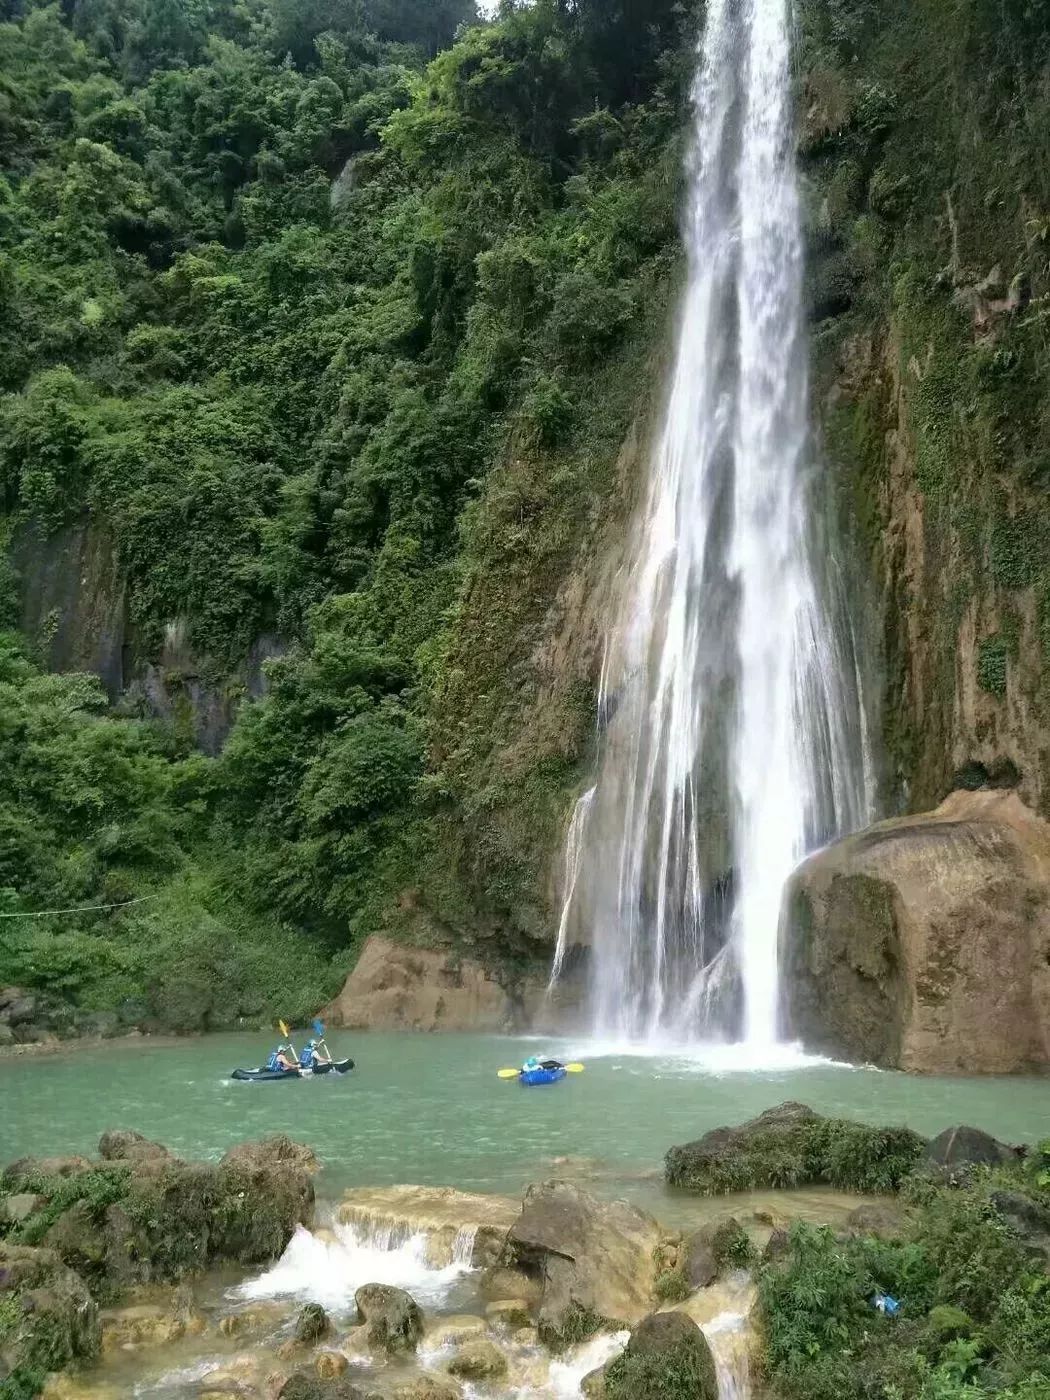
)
(273, 1062)
(306, 1058)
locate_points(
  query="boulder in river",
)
(790, 1146)
(593, 1259)
(667, 1357)
(970, 1147)
(392, 1317)
(125, 1145)
(478, 1360)
(308, 1385)
(312, 1324)
(921, 943)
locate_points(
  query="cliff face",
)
(924, 133)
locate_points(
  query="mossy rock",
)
(792, 1146)
(667, 1358)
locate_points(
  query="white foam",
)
(710, 1057)
(330, 1271)
(565, 1376)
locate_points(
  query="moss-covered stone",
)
(793, 1146)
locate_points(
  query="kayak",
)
(545, 1074)
(268, 1076)
(333, 1067)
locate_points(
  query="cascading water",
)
(733, 737)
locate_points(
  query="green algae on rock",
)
(792, 1146)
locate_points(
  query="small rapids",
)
(330, 1266)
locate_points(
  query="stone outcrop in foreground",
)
(923, 943)
(452, 1221)
(594, 1259)
(83, 1231)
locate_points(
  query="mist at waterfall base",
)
(732, 735)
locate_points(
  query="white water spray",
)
(734, 736)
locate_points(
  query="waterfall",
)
(733, 738)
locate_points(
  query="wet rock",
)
(509, 1312)
(312, 1324)
(50, 1318)
(667, 1357)
(962, 1146)
(450, 1331)
(331, 1364)
(884, 1219)
(429, 1388)
(393, 1318)
(479, 1360)
(308, 1385)
(15, 1209)
(502, 1282)
(451, 1220)
(142, 1325)
(700, 1266)
(124, 1145)
(592, 1258)
(592, 1387)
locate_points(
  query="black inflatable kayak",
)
(269, 1076)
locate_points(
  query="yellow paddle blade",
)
(575, 1069)
(508, 1073)
(284, 1029)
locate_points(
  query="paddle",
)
(515, 1073)
(319, 1033)
(288, 1036)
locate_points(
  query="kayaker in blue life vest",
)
(282, 1059)
(308, 1056)
(532, 1063)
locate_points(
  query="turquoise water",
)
(430, 1109)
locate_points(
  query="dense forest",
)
(328, 319)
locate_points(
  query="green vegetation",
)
(974, 1295)
(798, 1150)
(929, 208)
(330, 319)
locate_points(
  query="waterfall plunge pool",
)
(429, 1110)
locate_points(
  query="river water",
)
(431, 1111)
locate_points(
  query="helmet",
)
(532, 1062)
(312, 1045)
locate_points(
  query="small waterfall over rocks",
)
(732, 730)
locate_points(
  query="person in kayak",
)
(282, 1059)
(309, 1056)
(533, 1063)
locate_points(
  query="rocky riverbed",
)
(137, 1273)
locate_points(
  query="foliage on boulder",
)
(792, 1146)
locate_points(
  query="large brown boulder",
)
(921, 943)
(593, 1259)
(396, 987)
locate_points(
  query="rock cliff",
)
(924, 942)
